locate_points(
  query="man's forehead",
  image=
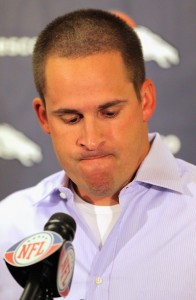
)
(97, 65)
(99, 74)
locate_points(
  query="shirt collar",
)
(160, 168)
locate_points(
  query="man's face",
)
(97, 125)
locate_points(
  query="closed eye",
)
(110, 113)
(71, 119)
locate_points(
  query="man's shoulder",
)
(32, 194)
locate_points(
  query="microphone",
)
(43, 263)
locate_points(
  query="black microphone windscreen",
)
(63, 224)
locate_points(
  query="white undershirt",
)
(100, 219)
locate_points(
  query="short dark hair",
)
(85, 32)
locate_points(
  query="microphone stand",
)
(34, 290)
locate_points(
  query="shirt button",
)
(98, 280)
(62, 195)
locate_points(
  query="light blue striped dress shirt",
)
(149, 255)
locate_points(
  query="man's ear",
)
(41, 113)
(148, 98)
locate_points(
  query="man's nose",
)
(91, 135)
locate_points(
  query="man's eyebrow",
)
(62, 111)
(111, 103)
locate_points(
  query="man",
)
(133, 202)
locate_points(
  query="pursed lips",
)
(95, 157)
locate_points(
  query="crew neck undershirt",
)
(100, 219)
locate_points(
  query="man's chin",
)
(98, 188)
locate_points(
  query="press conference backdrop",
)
(168, 34)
